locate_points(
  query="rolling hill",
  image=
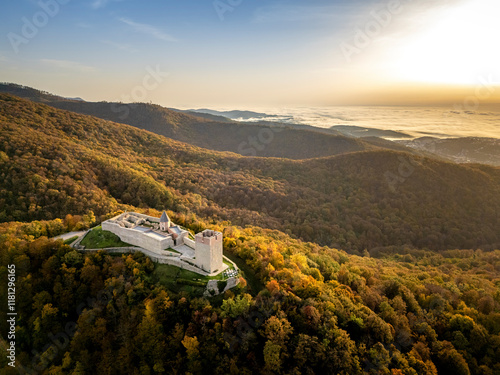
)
(460, 150)
(56, 162)
(266, 140)
(311, 309)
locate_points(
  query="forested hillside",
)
(321, 311)
(310, 309)
(246, 139)
(55, 162)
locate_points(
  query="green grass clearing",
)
(101, 239)
(69, 241)
(179, 280)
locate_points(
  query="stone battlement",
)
(208, 250)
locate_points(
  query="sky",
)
(255, 53)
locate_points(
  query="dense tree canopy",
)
(321, 311)
(54, 162)
(303, 307)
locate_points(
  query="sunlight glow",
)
(458, 47)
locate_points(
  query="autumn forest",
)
(369, 259)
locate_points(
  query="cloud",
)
(295, 13)
(148, 30)
(120, 46)
(68, 65)
(341, 13)
(97, 4)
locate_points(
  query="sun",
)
(459, 46)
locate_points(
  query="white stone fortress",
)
(163, 240)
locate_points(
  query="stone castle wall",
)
(147, 217)
(207, 244)
(189, 242)
(172, 260)
(137, 238)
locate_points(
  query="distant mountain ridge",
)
(263, 140)
(30, 93)
(234, 114)
(363, 132)
(460, 150)
(54, 162)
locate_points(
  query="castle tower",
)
(165, 222)
(208, 250)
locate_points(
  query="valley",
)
(365, 260)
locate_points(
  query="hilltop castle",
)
(164, 238)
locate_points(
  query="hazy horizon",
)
(254, 54)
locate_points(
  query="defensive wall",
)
(148, 239)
